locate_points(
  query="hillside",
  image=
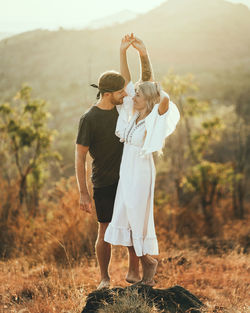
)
(246, 2)
(113, 19)
(209, 38)
(5, 35)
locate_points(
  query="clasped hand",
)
(131, 39)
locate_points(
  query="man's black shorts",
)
(104, 202)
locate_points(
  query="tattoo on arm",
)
(146, 70)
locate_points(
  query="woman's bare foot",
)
(149, 283)
(105, 283)
(133, 278)
(149, 266)
(133, 275)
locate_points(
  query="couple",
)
(121, 131)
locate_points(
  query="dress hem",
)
(124, 237)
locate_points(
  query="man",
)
(96, 134)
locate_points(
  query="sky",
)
(22, 15)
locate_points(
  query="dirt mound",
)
(171, 300)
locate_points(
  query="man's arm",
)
(80, 168)
(125, 43)
(146, 72)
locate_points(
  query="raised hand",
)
(137, 43)
(126, 42)
(146, 68)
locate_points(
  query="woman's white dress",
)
(133, 221)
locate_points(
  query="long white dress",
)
(133, 221)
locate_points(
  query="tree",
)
(26, 144)
(241, 163)
(181, 90)
(206, 177)
(195, 173)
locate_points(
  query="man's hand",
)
(138, 44)
(126, 42)
(85, 203)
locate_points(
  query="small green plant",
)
(130, 302)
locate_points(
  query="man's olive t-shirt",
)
(97, 131)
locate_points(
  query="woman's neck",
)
(142, 115)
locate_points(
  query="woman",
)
(146, 118)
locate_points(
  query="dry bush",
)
(9, 211)
(63, 234)
(185, 227)
(71, 233)
(60, 232)
(34, 278)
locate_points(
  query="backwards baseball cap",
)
(109, 81)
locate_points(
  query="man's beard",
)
(115, 101)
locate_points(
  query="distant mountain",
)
(209, 38)
(117, 18)
(246, 2)
(5, 35)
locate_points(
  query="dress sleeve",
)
(159, 127)
(125, 111)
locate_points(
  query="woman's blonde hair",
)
(150, 91)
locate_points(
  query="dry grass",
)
(222, 283)
(50, 265)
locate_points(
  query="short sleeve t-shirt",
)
(97, 131)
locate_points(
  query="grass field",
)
(221, 282)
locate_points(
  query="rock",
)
(172, 300)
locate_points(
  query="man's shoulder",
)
(89, 114)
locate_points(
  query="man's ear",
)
(106, 94)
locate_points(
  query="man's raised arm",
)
(146, 73)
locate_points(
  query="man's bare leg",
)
(103, 253)
(133, 275)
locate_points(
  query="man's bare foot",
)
(149, 266)
(105, 283)
(133, 278)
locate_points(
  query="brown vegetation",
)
(50, 264)
(201, 212)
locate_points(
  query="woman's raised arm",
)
(164, 103)
(146, 67)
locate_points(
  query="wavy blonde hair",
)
(151, 92)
